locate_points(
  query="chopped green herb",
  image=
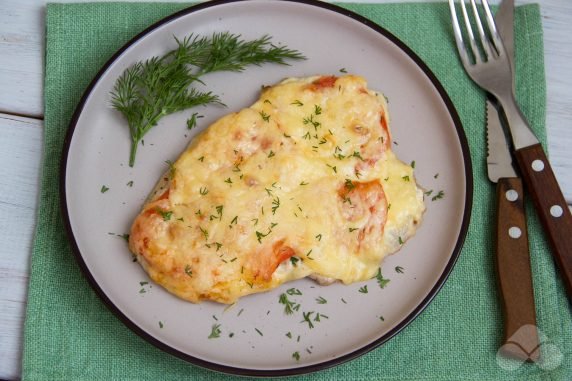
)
(234, 221)
(271, 154)
(264, 116)
(289, 306)
(339, 156)
(192, 121)
(293, 291)
(399, 269)
(307, 319)
(343, 70)
(308, 255)
(319, 237)
(353, 229)
(310, 120)
(333, 168)
(400, 240)
(130, 184)
(260, 235)
(188, 271)
(380, 279)
(381, 318)
(307, 136)
(428, 193)
(205, 233)
(259, 332)
(275, 204)
(321, 300)
(344, 301)
(363, 289)
(405, 178)
(297, 103)
(303, 183)
(160, 324)
(296, 356)
(165, 214)
(349, 184)
(201, 159)
(436, 175)
(438, 196)
(104, 189)
(289, 335)
(228, 181)
(203, 191)
(294, 261)
(215, 331)
(358, 155)
(317, 110)
(413, 164)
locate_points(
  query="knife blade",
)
(520, 338)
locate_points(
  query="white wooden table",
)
(21, 123)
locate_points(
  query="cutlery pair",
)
(489, 63)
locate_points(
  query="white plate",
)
(425, 128)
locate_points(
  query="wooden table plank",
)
(20, 154)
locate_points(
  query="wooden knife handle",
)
(550, 206)
(515, 277)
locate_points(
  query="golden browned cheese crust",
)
(302, 183)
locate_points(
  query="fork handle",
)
(550, 206)
(514, 274)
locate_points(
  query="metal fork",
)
(489, 67)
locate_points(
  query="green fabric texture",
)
(71, 335)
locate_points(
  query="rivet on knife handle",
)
(550, 206)
(515, 278)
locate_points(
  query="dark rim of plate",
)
(288, 371)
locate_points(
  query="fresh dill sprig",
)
(159, 86)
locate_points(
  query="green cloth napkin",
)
(71, 335)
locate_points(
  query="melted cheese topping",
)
(302, 183)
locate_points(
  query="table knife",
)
(520, 338)
(536, 171)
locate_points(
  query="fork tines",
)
(489, 44)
